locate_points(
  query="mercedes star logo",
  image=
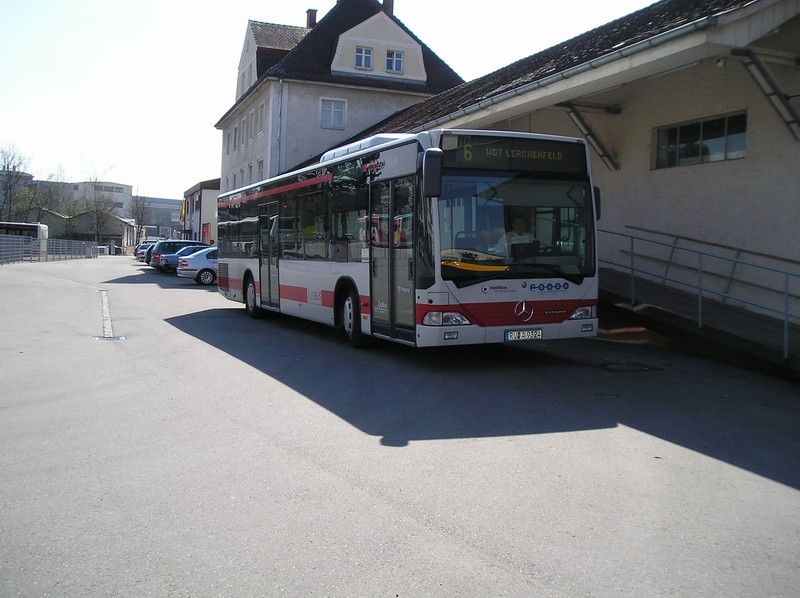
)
(523, 311)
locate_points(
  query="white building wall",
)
(292, 131)
(304, 136)
(381, 34)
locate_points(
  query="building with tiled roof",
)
(301, 90)
(692, 111)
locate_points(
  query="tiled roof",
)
(311, 58)
(277, 37)
(624, 32)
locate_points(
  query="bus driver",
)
(519, 233)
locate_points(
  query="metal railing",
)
(750, 280)
(14, 248)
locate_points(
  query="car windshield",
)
(510, 226)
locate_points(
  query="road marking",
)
(108, 330)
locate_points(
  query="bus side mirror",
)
(432, 172)
(597, 203)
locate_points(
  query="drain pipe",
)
(279, 140)
(637, 48)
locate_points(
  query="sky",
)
(129, 91)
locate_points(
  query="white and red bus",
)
(36, 231)
(406, 238)
(34, 234)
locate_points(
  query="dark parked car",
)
(169, 261)
(168, 246)
(141, 250)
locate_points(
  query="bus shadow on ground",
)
(400, 394)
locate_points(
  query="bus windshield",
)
(508, 225)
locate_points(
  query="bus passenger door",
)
(268, 254)
(391, 259)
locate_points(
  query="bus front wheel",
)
(351, 320)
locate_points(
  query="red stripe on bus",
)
(301, 294)
(502, 313)
(326, 178)
(228, 284)
(290, 293)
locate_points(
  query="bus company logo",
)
(494, 287)
(550, 287)
(523, 311)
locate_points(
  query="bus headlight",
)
(445, 318)
(584, 313)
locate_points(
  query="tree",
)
(140, 212)
(13, 179)
(100, 209)
(37, 198)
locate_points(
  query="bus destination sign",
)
(514, 153)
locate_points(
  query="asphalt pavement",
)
(155, 441)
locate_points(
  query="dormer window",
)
(394, 62)
(364, 58)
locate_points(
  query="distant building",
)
(199, 211)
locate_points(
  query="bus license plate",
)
(523, 335)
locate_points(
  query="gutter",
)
(605, 59)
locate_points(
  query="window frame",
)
(690, 142)
(394, 61)
(330, 124)
(364, 57)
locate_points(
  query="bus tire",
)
(250, 298)
(351, 319)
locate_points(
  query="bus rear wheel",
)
(351, 320)
(250, 298)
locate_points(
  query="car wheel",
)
(351, 320)
(206, 277)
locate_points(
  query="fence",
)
(754, 281)
(14, 248)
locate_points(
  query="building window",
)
(364, 58)
(332, 114)
(235, 137)
(260, 170)
(261, 112)
(712, 140)
(394, 62)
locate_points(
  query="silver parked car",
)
(201, 265)
(168, 262)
